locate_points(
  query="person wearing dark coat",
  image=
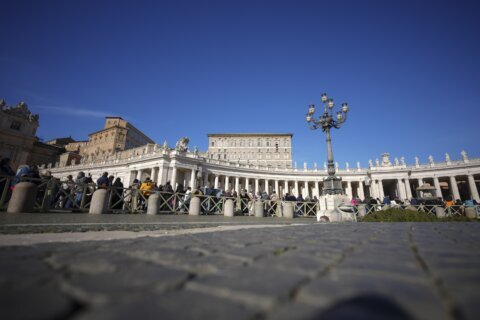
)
(117, 201)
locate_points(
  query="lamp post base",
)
(332, 185)
(331, 209)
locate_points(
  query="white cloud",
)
(75, 111)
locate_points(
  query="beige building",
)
(18, 140)
(265, 149)
(116, 135)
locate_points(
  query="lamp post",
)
(328, 120)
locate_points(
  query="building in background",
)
(116, 135)
(18, 140)
(272, 150)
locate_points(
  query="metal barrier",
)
(451, 211)
(67, 196)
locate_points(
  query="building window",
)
(15, 125)
(276, 147)
(224, 156)
(213, 144)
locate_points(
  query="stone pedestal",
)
(362, 210)
(288, 210)
(23, 198)
(259, 209)
(228, 208)
(153, 204)
(99, 202)
(329, 209)
(194, 209)
(471, 212)
(440, 212)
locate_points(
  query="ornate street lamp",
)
(332, 184)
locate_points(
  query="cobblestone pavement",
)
(313, 271)
(68, 222)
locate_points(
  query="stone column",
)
(317, 189)
(227, 178)
(216, 182)
(285, 187)
(205, 180)
(297, 193)
(277, 190)
(174, 178)
(161, 178)
(256, 186)
(305, 190)
(401, 189)
(267, 189)
(374, 189)
(408, 188)
(454, 188)
(237, 184)
(436, 182)
(192, 179)
(129, 180)
(360, 190)
(381, 194)
(139, 175)
(247, 184)
(155, 174)
(473, 188)
(349, 189)
(420, 182)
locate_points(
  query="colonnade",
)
(456, 180)
(445, 185)
(377, 187)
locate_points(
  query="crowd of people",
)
(73, 193)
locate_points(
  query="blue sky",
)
(410, 70)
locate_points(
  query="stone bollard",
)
(194, 209)
(288, 210)
(471, 212)
(228, 208)
(362, 210)
(153, 204)
(99, 203)
(259, 209)
(23, 198)
(440, 212)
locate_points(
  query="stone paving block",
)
(20, 272)
(258, 287)
(174, 305)
(211, 264)
(129, 280)
(415, 295)
(162, 256)
(248, 254)
(294, 262)
(365, 264)
(37, 303)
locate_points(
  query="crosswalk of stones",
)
(311, 271)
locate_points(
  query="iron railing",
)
(54, 195)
